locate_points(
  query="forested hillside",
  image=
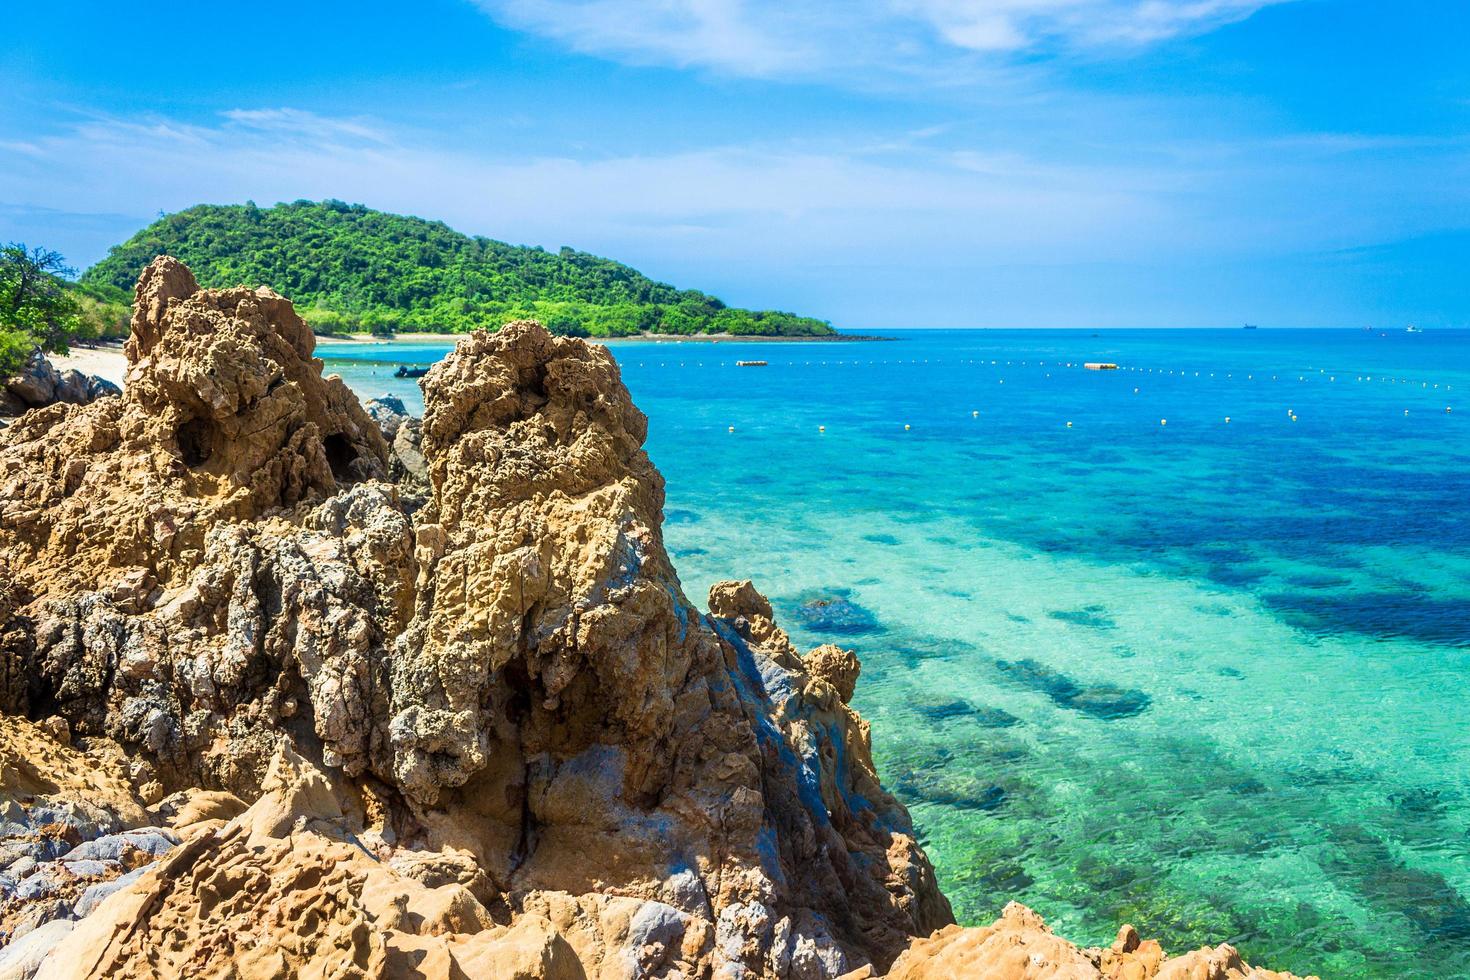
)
(349, 268)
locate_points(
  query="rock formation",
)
(479, 728)
(39, 384)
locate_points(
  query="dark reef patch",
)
(948, 788)
(1093, 617)
(887, 539)
(678, 516)
(832, 612)
(943, 709)
(1318, 581)
(1106, 701)
(1408, 614)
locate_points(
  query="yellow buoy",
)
(732, 428)
(821, 428)
(1227, 420)
(1163, 421)
(1069, 425)
(905, 428)
(974, 415)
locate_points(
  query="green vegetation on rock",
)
(349, 268)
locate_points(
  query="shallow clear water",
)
(1205, 677)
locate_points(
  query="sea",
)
(1183, 644)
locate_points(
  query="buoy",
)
(821, 428)
(1406, 411)
(1135, 391)
(1163, 421)
(974, 415)
(1069, 425)
(732, 428)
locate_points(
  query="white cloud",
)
(781, 202)
(866, 41)
(854, 229)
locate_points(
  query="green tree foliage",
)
(36, 308)
(349, 268)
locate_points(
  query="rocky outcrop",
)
(39, 384)
(1019, 946)
(482, 727)
(405, 436)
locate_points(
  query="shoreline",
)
(661, 338)
(105, 359)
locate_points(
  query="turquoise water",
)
(1205, 677)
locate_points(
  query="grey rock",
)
(71, 387)
(86, 820)
(92, 868)
(99, 387)
(114, 847)
(408, 453)
(388, 412)
(44, 882)
(95, 894)
(36, 383)
(23, 957)
(21, 868)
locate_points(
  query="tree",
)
(36, 309)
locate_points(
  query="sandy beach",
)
(105, 361)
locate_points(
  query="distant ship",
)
(1412, 329)
(1250, 326)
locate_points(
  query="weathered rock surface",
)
(1019, 946)
(484, 731)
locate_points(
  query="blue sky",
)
(880, 163)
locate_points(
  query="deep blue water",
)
(1208, 677)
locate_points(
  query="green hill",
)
(350, 268)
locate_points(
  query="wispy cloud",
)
(862, 40)
(297, 122)
(870, 222)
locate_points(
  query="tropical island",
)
(352, 269)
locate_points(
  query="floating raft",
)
(750, 363)
(1100, 366)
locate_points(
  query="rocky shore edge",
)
(293, 685)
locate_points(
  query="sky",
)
(877, 163)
